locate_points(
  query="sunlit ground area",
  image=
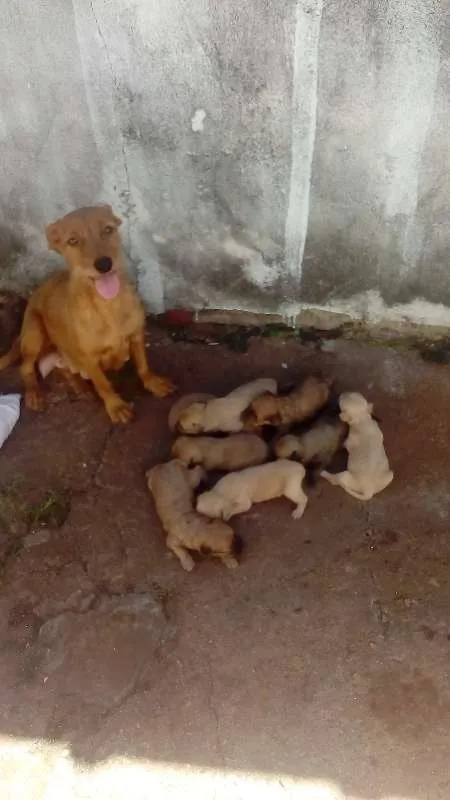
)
(44, 772)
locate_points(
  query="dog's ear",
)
(195, 476)
(370, 408)
(116, 220)
(149, 476)
(53, 234)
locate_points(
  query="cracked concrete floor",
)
(318, 669)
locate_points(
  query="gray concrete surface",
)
(265, 156)
(316, 670)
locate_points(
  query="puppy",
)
(368, 470)
(236, 492)
(316, 446)
(184, 402)
(172, 486)
(88, 314)
(223, 413)
(233, 452)
(301, 404)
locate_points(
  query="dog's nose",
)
(103, 264)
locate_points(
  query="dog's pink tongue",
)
(108, 286)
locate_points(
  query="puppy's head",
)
(190, 419)
(354, 407)
(89, 240)
(210, 504)
(262, 411)
(187, 450)
(288, 446)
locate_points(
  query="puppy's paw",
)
(34, 399)
(120, 412)
(188, 564)
(230, 562)
(330, 477)
(159, 386)
(298, 512)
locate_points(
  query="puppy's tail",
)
(11, 356)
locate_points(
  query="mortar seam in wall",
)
(304, 116)
(122, 147)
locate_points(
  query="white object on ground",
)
(48, 363)
(54, 360)
(9, 414)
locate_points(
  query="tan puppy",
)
(223, 413)
(88, 315)
(233, 452)
(301, 404)
(316, 446)
(368, 469)
(236, 492)
(172, 486)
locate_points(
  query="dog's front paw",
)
(230, 562)
(330, 477)
(298, 512)
(187, 563)
(120, 412)
(159, 386)
(34, 399)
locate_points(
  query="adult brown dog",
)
(89, 314)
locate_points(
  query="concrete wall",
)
(264, 155)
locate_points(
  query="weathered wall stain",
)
(276, 155)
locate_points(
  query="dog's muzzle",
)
(103, 264)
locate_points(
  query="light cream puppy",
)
(182, 403)
(233, 452)
(172, 486)
(236, 492)
(223, 413)
(368, 470)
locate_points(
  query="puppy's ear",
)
(148, 476)
(53, 234)
(196, 476)
(116, 220)
(370, 408)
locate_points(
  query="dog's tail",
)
(11, 356)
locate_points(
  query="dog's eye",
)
(108, 229)
(73, 241)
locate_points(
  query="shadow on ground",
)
(325, 655)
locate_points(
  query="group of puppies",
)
(267, 443)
